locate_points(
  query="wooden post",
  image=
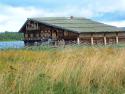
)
(63, 33)
(92, 39)
(57, 34)
(78, 41)
(105, 42)
(52, 33)
(117, 38)
(26, 27)
(37, 26)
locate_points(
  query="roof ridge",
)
(59, 18)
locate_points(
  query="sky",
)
(13, 13)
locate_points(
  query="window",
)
(65, 33)
(31, 35)
(54, 35)
(26, 35)
(37, 35)
(41, 34)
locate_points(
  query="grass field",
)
(87, 70)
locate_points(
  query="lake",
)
(11, 44)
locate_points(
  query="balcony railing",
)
(32, 28)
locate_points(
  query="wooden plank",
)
(98, 34)
(105, 41)
(110, 34)
(92, 42)
(84, 35)
(121, 34)
(116, 39)
(78, 40)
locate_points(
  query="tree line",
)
(11, 36)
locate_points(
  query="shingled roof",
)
(76, 24)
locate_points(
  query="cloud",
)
(107, 6)
(110, 16)
(12, 18)
(116, 23)
(14, 13)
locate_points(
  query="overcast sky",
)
(13, 13)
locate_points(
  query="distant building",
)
(73, 29)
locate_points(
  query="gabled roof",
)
(76, 24)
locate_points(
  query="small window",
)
(65, 33)
(37, 35)
(31, 35)
(41, 34)
(53, 35)
(26, 35)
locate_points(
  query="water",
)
(11, 44)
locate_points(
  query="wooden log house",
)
(70, 29)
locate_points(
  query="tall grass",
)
(65, 71)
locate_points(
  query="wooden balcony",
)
(32, 28)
